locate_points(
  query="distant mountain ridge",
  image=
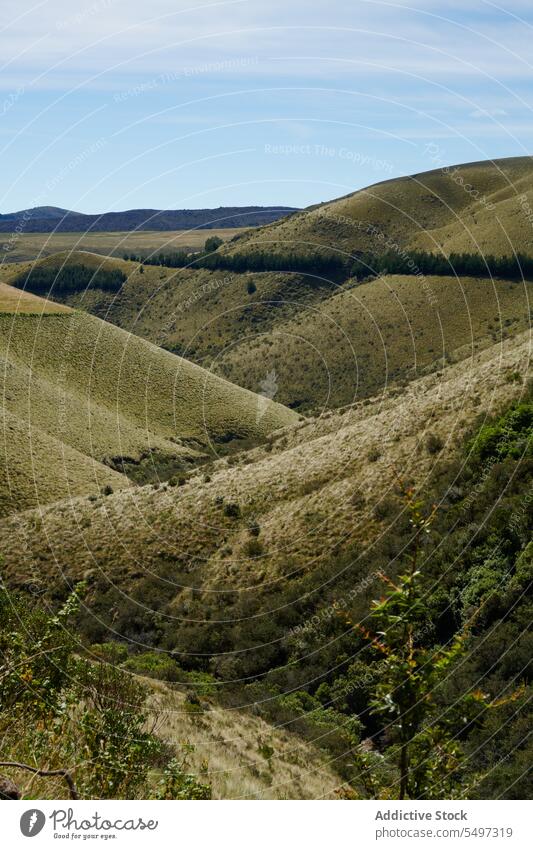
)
(48, 219)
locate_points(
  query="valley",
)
(227, 460)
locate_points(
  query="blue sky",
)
(114, 104)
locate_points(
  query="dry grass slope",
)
(106, 394)
(327, 345)
(364, 338)
(301, 492)
(15, 302)
(38, 469)
(233, 743)
(479, 206)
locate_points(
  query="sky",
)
(118, 104)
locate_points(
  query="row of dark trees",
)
(320, 264)
(326, 263)
(43, 280)
(461, 264)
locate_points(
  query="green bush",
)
(177, 783)
(113, 653)
(508, 436)
(253, 547)
(212, 244)
(59, 711)
(154, 664)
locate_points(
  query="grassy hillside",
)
(223, 573)
(38, 469)
(364, 337)
(325, 343)
(480, 206)
(72, 382)
(315, 488)
(20, 274)
(13, 300)
(317, 342)
(247, 758)
(233, 578)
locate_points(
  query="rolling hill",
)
(318, 344)
(476, 207)
(227, 587)
(314, 490)
(326, 341)
(50, 219)
(75, 383)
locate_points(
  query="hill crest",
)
(49, 219)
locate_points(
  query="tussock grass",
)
(327, 344)
(470, 208)
(107, 394)
(15, 302)
(233, 744)
(37, 468)
(300, 492)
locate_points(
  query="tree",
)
(67, 718)
(425, 732)
(212, 243)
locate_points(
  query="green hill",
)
(228, 586)
(476, 207)
(322, 341)
(324, 344)
(314, 488)
(108, 395)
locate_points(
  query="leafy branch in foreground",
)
(425, 733)
(63, 717)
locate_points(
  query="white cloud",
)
(100, 42)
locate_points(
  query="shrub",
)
(113, 653)
(87, 720)
(212, 244)
(154, 665)
(384, 508)
(232, 510)
(434, 443)
(426, 752)
(253, 548)
(111, 732)
(177, 783)
(508, 436)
